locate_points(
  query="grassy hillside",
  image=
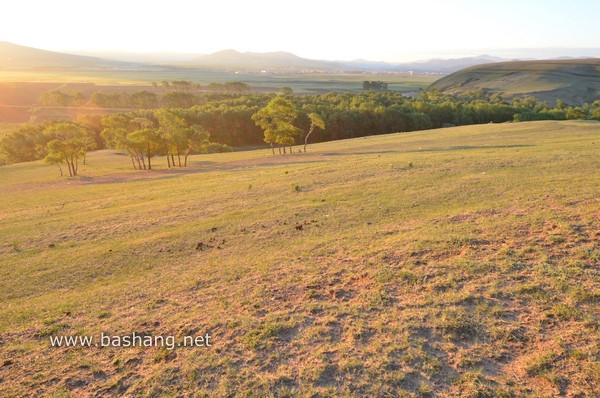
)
(573, 81)
(452, 262)
(15, 57)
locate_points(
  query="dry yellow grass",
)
(454, 262)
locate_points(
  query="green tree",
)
(147, 143)
(69, 143)
(104, 100)
(315, 122)
(55, 98)
(178, 99)
(237, 87)
(276, 120)
(143, 100)
(179, 137)
(574, 113)
(24, 145)
(122, 131)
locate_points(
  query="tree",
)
(315, 122)
(69, 143)
(103, 100)
(276, 120)
(237, 87)
(146, 142)
(144, 100)
(24, 145)
(179, 137)
(123, 131)
(55, 98)
(178, 99)
(197, 139)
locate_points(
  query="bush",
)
(215, 147)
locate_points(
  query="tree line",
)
(142, 135)
(178, 94)
(183, 126)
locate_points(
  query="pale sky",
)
(377, 30)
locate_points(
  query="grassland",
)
(572, 81)
(299, 82)
(452, 262)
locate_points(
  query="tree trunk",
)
(148, 155)
(173, 160)
(69, 166)
(273, 148)
(132, 161)
(306, 138)
(168, 162)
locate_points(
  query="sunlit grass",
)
(417, 263)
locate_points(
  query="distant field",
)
(20, 91)
(452, 262)
(300, 83)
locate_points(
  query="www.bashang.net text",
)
(131, 340)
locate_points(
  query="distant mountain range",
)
(16, 57)
(283, 60)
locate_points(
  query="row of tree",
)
(58, 142)
(282, 120)
(143, 135)
(178, 95)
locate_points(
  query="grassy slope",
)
(342, 271)
(573, 81)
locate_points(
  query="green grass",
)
(472, 272)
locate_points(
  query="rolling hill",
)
(458, 262)
(574, 81)
(16, 57)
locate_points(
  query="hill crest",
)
(574, 81)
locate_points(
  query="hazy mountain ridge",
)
(232, 58)
(16, 57)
